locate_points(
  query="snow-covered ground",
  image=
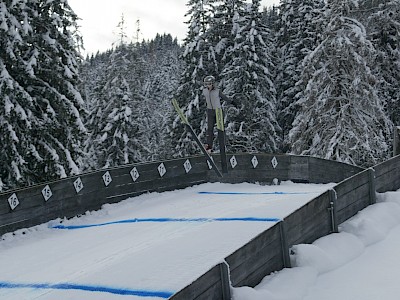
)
(151, 246)
(359, 263)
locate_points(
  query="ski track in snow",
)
(122, 257)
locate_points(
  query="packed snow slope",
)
(149, 246)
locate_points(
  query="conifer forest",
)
(307, 77)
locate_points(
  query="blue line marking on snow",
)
(165, 220)
(87, 288)
(254, 193)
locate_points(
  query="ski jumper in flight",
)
(213, 98)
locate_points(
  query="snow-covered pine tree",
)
(161, 82)
(94, 80)
(16, 122)
(200, 61)
(270, 17)
(118, 117)
(41, 43)
(248, 81)
(16, 117)
(220, 32)
(383, 27)
(300, 26)
(341, 116)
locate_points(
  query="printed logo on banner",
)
(274, 162)
(162, 170)
(13, 201)
(254, 162)
(78, 185)
(187, 165)
(135, 174)
(107, 178)
(47, 193)
(233, 162)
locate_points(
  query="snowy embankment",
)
(358, 263)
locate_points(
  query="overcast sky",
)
(99, 19)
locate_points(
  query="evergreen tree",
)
(199, 62)
(160, 84)
(383, 28)
(40, 64)
(270, 17)
(116, 141)
(299, 34)
(221, 28)
(341, 117)
(248, 81)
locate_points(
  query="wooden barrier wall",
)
(262, 255)
(387, 175)
(354, 194)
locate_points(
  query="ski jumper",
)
(213, 100)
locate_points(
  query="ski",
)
(195, 137)
(221, 139)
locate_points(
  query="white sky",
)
(99, 19)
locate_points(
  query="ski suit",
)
(213, 100)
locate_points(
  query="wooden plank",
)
(205, 284)
(257, 244)
(386, 166)
(301, 225)
(352, 209)
(310, 231)
(255, 277)
(325, 171)
(389, 171)
(351, 183)
(256, 266)
(389, 181)
(299, 168)
(361, 193)
(235, 176)
(244, 171)
(213, 292)
(387, 175)
(197, 162)
(264, 162)
(396, 140)
(389, 186)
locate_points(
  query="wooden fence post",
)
(372, 188)
(332, 209)
(284, 245)
(225, 281)
(396, 141)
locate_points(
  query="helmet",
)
(209, 80)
